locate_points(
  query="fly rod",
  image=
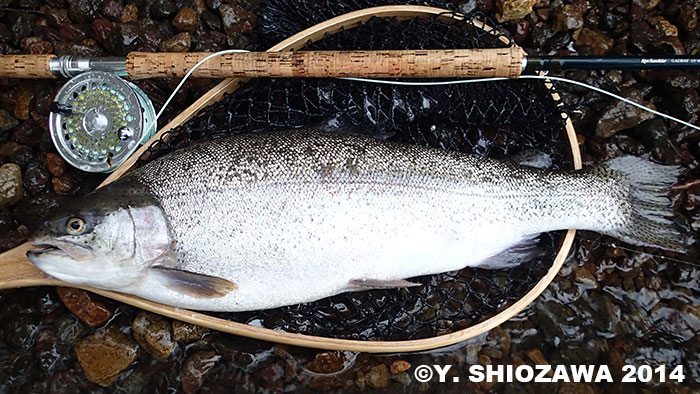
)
(508, 62)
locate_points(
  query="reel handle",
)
(444, 63)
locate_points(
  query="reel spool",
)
(98, 120)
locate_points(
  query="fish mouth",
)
(63, 260)
(60, 248)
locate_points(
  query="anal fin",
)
(525, 250)
(193, 284)
(369, 284)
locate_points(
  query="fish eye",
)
(75, 226)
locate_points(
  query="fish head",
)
(106, 239)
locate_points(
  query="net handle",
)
(295, 42)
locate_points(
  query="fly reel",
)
(98, 120)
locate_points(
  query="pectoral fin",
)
(369, 284)
(192, 284)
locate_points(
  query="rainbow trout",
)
(265, 220)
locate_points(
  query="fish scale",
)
(290, 217)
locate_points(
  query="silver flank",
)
(293, 217)
(265, 220)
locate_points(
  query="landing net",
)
(495, 119)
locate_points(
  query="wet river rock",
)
(187, 332)
(55, 164)
(20, 332)
(378, 376)
(112, 9)
(36, 177)
(236, 20)
(186, 20)
(101, 29)
(154, 334)
(84, 11)
(10, 184)
(620, 116)
(25, 95)
(161, 9)
(130, 14)
(105, 354)
(178, 43)
(196, 368)
(599, 43)
(399, 366)
(69, 328)
(568, 17)
(63, 185)
(652, 133)
(7, 121)
(513, 9)
(88, 307)
(327, 362)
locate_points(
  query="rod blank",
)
(611, 63)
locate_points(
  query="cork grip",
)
(25, 66)
(452, 63)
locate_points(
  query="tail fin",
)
(646, 221)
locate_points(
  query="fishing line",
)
(541, 77)
(600, 242)
(453, 82)
(464, 81)
(687, 184)
(189, 73)
(691, 263)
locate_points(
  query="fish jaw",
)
(57, 247)
(77, 264)
(50, 259)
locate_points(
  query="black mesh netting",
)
(496, 119)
